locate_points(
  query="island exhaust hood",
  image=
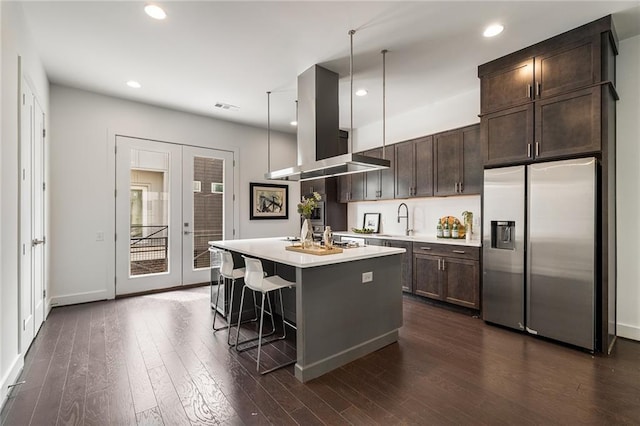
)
(321, 151)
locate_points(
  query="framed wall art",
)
(268, 201)
(372, 222)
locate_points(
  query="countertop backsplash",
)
(423, 213)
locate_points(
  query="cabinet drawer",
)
(447, 250)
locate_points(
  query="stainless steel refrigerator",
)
(539, 249)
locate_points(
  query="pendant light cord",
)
(268, 132)
(351, 33)
(384, 103)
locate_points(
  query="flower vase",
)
(306, 236)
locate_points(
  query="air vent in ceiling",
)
(224, 106)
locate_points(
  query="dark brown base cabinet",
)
(407, 259)
(447, 272)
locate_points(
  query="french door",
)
(32, 282)
(171, 200)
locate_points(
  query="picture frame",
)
(268, 201)
(371, 222)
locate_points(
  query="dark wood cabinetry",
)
(351, 187)
(414, 168)
(380, 184)
(457, 160)
(448, 273)
(545, 102)
(308, 187)
(407, 259)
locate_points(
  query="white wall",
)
(627, 194)
(15, 42)
(445, 114)
(83, 125)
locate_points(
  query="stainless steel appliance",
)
(539, 249)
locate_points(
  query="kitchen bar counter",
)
(274, 249)
(347, 305)
(414, 238)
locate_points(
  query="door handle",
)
(528, 150)
(529, 91)
(537, 149)
(36, 241)
(188, 232)
(458, 251)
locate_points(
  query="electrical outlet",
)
(367, 277)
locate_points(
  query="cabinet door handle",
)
(538, 89)
(529, 91)
(458, 251)
(425, 248)
(439, 268)
(443, 264)
(460, 187)
(537, 149)
(528, 150)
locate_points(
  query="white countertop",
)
(274, 249)
(416, 238)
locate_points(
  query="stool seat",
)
(235, 274)
(270, 284)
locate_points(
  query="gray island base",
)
(339, 317)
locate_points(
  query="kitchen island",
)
(347, 305)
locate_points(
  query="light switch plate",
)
(367, 277)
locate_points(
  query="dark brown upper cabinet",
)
(379, 184)
(547, 101)
(351, 187)
(414, 168)
(308, 187)
(457, 162)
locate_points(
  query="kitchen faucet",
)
(406, 216)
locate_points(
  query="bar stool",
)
(227, 272)
(255, 280)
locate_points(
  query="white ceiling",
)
(235, 51)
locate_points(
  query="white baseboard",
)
(72, 299)
(10, 378)
(628, 331)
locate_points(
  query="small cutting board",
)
(318, 251)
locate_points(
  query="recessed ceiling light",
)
(155, 12)
(294, 123)
(493, 30)
(134, 84)
(361, 92)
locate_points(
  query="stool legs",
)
(260, 335)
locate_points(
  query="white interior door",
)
(207, 194)
(32, 280)
(162, 223)
(26, 203)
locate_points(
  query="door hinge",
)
(44, 186)
(24, 324)
(44, 293)
(234, 163)
(44, 133)
(23, 252)
(234, 197)
(115, 192)
(115, 237)
(23, 99)
(115, 149)
(234, 232)
(23, 174)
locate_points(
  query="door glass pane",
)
(208, 197)
(149, 213)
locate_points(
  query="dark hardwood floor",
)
(154, 360)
